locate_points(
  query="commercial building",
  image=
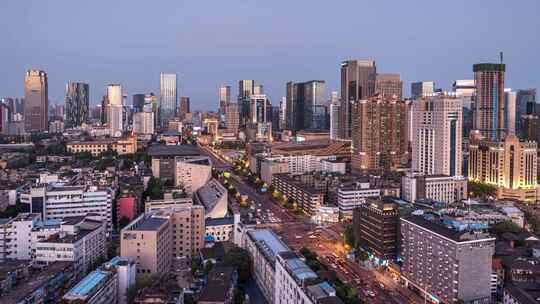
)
(168, 98)
(525, 105)
(115, 110)
(353, 195)
(436, 135)
(164, 158)
(446, 264)
(77, 104)
(422, 89)
(375, 224)
(509, 164)
(184, 106)
(417, 186)
(271, 167)
(245, 90)
(138, 102)
(36, 101)
(334, 112)
(357, 83)
(220, 229)
(510, 114)
(232, 118)
(305, 105)
(389, 85)
(224, 97)
(213, 196)
(305, 197)
(379, 135)
(192, 174)
(147, 240)
(121, 146)
(143, 123)
(489, 107)
(79, 240)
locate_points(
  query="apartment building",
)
(352, 195)
(307, 198)
(193, 173)
(416, 186)
(147, 240)
(445, 264)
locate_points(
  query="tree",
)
(481, 190)
(241, 260)
(154, 189)
(506, 226)
(348, 236)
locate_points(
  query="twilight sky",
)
(211, 42)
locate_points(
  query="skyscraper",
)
(436, 135)
(258, 89)
(389, 85)
(138, 102)
(510, 103)
(489, 102)
(526, 105)
(115, 110)
(184, 106)
(77, 104)
(305, 105)
(334, 118)
(357, 82)
(379, 139)
(224, 97)
(232, 119)
(246, 88)
(258, 108)
(36, 103)
(422, 88)
(168, 101)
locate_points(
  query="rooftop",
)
(150, 224)
(89, 284)
(219, 221)
(220, 280)
(179, 150)
(297, 268)
(268, 242)
(436, 226)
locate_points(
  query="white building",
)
(436, 135)
(143, 123)
(334, 118)
(333, 166)
(82, 242)
(57, 202)
(448, 189)
(214, 197)
(220, 229)
(352, 195)
(325, 214)
(297, 164)
(16, 236)
(192, 173)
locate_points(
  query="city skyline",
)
(443, 60)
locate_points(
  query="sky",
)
(208, 43)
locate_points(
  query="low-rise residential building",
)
(307, 198)
(352, 195)
(271, 167)
(220, 286)
(442, 188)
(333, 166)
(219, 229)
(446, 264)
(120, 146)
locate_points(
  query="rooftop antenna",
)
(501, 56)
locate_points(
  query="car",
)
(381, 285)
(370, 293)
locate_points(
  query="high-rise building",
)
(115, 110)
(379, 139)
(509, 164)
(138, 102)
(389, 85)
(184, 106)
(77, 104)
(526, 105)
(334, 119)
(246, 88)
(489, 110)
(168, 101)
(305, 105)
(232, 118)
(224, 97)
(445, 264)
(422, 88)
(258, 109)
(436, 135)
(283, 113)
(151, 105)
(143, 123)
(510, 100)
(258, 89)
(357, 82)
(36, 101)
(375, 224)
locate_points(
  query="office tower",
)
(305, 105)
(379, 138)
(529, 127)
(77, 104)
(510, 100)
(168, 101)
(465, 89)
(446, 264)
(422, 88)
(184, 106)
(138, 102)
(246, 88)
(283, 113)
(232, 117)
(389, 85)
(115, 110)
(143, 123)
(489, 102)
(526, 105)
(514, 172)
(334, 118)
(357, 82)
(375, 225)
(4, 119)
(151, 105)
(436, 135)
(36, 101)
(224, 97)
(258, 108)
(258, 89)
